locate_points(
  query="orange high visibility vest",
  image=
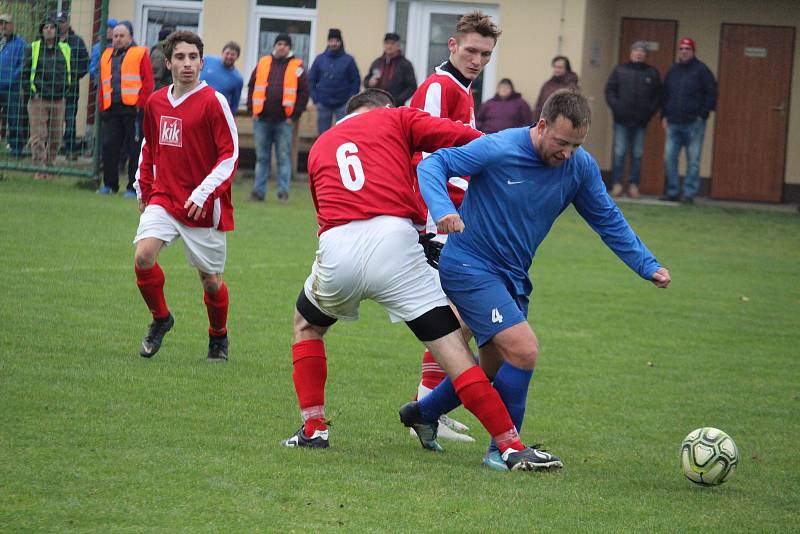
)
(289, 85)
(131, 82)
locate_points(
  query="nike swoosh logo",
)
(515, 183)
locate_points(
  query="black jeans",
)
(70, 112)
(119, 130)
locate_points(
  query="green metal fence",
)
(48, 92)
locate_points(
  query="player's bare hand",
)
(142, 206)
(450, 223)
(195, 211)
(661, 278)
(664, 123)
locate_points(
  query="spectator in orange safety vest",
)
(126, 82)
(277, 94)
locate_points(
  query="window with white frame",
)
(426, 26)
(298, 18)
(152, 15)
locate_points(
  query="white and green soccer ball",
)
(708, 456)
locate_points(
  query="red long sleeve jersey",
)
(190, 151)
(361, 168)
(442, 95)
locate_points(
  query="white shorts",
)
(379, 259)
(205, 248)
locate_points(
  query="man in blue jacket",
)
(690, 94)
(522, 179)
(12, 114)
(333, 79)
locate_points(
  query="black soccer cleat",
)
(218, 348)
(319, 440)
(531, 459)
(155, 335)
(426, 432)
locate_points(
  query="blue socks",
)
(441, 400)
(512, 384)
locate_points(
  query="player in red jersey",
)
(447, 93)
(367, 205)
(186, 166)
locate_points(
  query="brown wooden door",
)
(660, 34)
(755, 73)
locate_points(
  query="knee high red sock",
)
(480, 398)
(217, 308)
(432, 374)
(151, 286)
(309, 376)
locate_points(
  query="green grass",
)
(94, 438)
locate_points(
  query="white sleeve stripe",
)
(457, 181)
(433, 103)
(136, 186)
(433, 99)
(224, 169)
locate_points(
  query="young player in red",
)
(188, 159)
(447, 93)
(367, 205)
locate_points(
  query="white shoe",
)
(450, 429)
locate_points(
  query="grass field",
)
(95, 438)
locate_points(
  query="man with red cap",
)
(690, 94)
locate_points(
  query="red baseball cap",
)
(688, 42)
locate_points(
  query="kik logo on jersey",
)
(170, 131)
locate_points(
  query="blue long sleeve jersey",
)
(513, 200)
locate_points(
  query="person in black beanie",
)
(79, 65)
(333, 79)
(277, 94)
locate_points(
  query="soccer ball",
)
(708, 456)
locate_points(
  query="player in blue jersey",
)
(522, 180)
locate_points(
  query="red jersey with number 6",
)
(361, 168)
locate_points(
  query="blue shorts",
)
(487, 302)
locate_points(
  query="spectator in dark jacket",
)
(12, 111)
(392, 72)
(690, 94)
(633, 92)
(162, 76)
(46, 79)
(333, 79)
(563, 78)
(506, 109)
(79, 63)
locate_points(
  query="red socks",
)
(309, 376)
(151, 285)
(432, 374)
(480, 398)
(217, 307)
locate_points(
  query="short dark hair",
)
(371, 98)
(477, 22)
(233, 45)
(567, 64)
(508, 82)
(182, 36)
(570, 104)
